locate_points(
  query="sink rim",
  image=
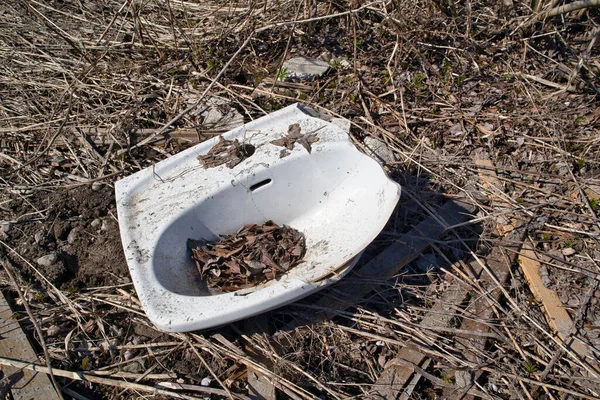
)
(167, 309)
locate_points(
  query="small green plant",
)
(580, 120)
(546, 237)
(303, 96)
(530, 367)
(417, 82)
(284, 72)
(39, 296)
(335, 64)
(85, 363)
(519, 200)
(594, 204)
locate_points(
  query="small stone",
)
(379, 150)
(5, 227)
(520, 141)
(564, 298)
(39, 237)
(72, 237)
(304, 67)
(546, 281)
(562, 168)
(96, 223)
(53, 330)
(134, 367)
(573, 302)
(47, 260)
(104, 226)
(96, 186)
(456, 130)
(568, 251)
(206, 381)
(61, 230)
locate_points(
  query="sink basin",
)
(339, 198)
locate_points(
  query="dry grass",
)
(92, 91)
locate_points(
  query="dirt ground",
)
(493, 104)
(80, 228)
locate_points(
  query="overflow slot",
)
(260, 184)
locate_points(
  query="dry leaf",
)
(253, 255)
(295, 136)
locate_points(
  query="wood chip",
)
(557, 317)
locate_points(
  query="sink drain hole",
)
(247, 150)
(260, 184)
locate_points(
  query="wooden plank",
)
(259, 386)
(498, 262)
(394, 380)
(389, 262)
(558, 318)
(25, 384)
(395, 377)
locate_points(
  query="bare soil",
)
(81, 228)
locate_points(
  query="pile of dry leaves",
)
(228, 152)
(253, 255)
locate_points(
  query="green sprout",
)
(284, 72)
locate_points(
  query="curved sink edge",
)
(190, 314)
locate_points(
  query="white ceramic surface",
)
(338, 197)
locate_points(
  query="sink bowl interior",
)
(324, 194)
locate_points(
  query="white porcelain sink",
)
(338, 197)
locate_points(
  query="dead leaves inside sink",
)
(253, 255)
(228, 152)
(295, 136)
